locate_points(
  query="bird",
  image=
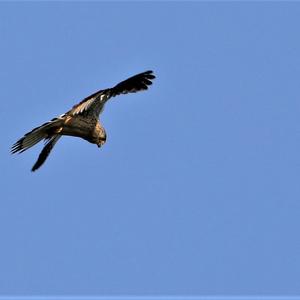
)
(82, 120)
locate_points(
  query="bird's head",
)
(101, 142)
(99, 135)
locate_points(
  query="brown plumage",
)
(82, 120)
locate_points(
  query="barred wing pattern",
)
(94, 103)
(89, 109)
(37, 134)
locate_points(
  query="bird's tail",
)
(46, 151)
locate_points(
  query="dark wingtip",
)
(149, 74)
(136, 83)
(16, 147)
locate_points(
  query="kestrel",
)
(82, 120)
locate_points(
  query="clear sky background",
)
(196, 190)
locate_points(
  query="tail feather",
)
(46, 151)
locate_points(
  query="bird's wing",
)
(133, 84)
(45, 131)
(94, 103)
(46, 151)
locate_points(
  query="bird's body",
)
(82, 120)
(87, 127)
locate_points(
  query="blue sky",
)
(196, 191)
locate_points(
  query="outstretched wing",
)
(133, 84)
(37, 134)
(46, 151)
(94, 103)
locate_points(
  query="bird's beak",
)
(100, 144)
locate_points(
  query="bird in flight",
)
(82, 120)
